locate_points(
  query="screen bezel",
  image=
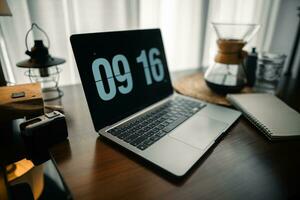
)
(76, 39)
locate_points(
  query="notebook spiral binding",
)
(253, 120)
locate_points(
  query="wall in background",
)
(180, 21)
(189, 39)
(285, 29)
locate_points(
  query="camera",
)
(41, 133)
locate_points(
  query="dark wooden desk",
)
(243, 165)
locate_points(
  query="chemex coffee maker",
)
(228, 74)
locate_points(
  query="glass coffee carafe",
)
(227, 74)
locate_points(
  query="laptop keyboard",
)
(148, 128)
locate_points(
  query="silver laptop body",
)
(179, 149)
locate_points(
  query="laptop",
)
(131, 100)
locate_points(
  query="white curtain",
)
(262, 12)
(188, 37)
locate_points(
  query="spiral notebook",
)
(269, 114)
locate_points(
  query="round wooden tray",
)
(194, 86)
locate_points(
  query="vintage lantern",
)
(42, 67)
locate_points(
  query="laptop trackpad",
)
(199, 131)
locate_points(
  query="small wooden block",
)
(19, 101)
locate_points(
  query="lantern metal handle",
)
(40, 29)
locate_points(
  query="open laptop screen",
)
(121, 72)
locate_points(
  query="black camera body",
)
(41, 133)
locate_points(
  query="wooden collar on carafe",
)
(230, 51)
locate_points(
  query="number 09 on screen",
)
(150, 61)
